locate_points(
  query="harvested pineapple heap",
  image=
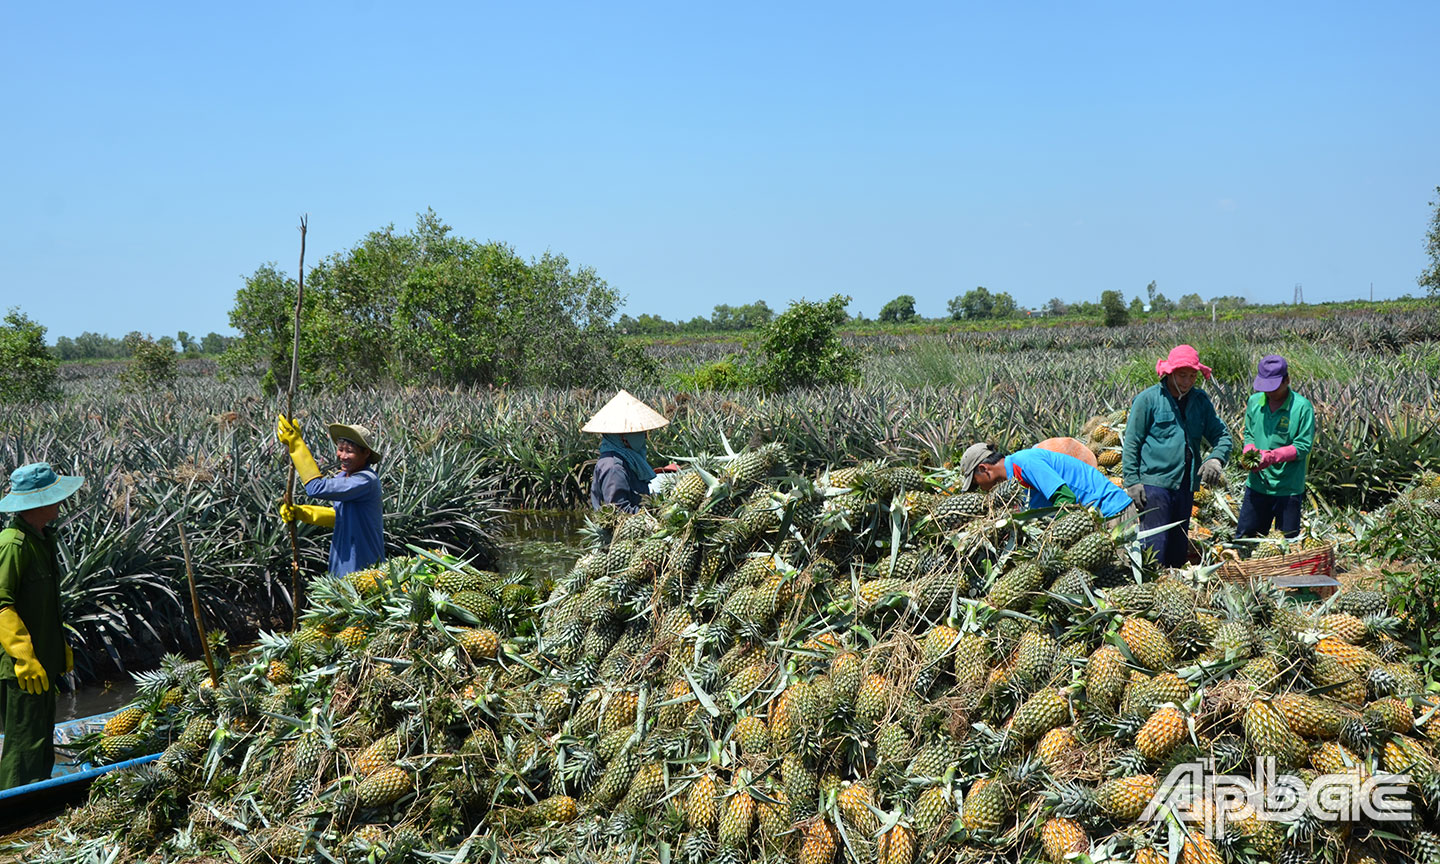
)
(765, 667)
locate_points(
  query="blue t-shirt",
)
(359, 540)
(1043, 472)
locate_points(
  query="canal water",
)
(542, 544)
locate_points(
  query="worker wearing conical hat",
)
(359, 540)
(622, 471)
(33, 653)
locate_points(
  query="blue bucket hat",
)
(37, 485)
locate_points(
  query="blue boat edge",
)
(66, 773)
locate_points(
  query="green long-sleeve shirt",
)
(1292, 425)
(30, 582)
(1163, 438)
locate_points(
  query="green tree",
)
(1150, 293)
(1137, 307)
(425, 306)
(802, 347)
(28, 370)
(898, 311)
(214, 343)
(152, 363)
(1113, 304)
(975, 305)
(1056, 306)
(1430, 277)
(1161, 303)
(1003, 305)
(1192, 303)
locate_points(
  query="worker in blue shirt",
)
(1052, 478)
(359, 540)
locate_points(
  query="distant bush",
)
(803, 348)
(28, 370)
(727, 374)
(152, 363)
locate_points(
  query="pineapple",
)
(379, 755)
(739, 819)
(1091, 552)
(645, 789)
(933, 808)
(1162, 733)
(1061, 837)
(559, 809)
(872, 699)
(1041, 712)
(1106, 674)
(1270, 735)
(1148, 645)
(117, 747)
(1124, 798)
(752, 735)
(124, 721)
(955, 511)
(800, 782)
(279, 672)
(1333, 758)
(1014, 587)
(1311, 717)
(987, 805)
(689, 490)
(1056, 746)
(820, 843)
(702, 804)
(855, 801)
(478, 643)
(384, 787)
(1362, 604)
(896, 846)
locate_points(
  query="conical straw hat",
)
(624, 414)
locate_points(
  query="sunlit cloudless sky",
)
(697, 154)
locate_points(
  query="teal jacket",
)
(1162, 448)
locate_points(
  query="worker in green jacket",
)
(1162, 460)
(35, 654)
(1280, 424)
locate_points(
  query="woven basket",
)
(1319, 561)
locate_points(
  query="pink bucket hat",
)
(1181, 357)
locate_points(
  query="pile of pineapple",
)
(862, 666)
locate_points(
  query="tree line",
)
(98, 346)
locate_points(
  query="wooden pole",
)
(295, 585)
(195, 607)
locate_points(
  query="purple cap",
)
(1271, 373)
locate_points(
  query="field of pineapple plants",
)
(809, 648)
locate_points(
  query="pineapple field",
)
(769, 664)
(204, 452)
(808, 647)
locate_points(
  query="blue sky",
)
(699, 154)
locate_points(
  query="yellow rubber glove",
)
(289, 435)
(16, 641)
(312, 514)
(69, 660)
